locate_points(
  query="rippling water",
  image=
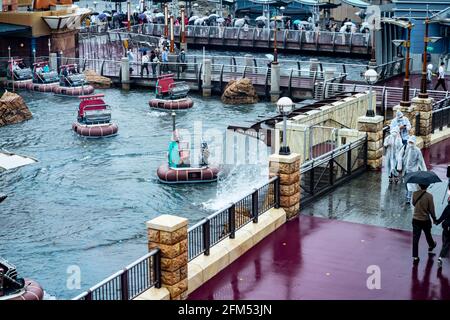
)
(85, 202)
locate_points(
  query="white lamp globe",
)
(285, 105)
(371, 76)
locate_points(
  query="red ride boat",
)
(171, 95)
(14, 288)
(72, 82)
(19, 75)
(94, 118)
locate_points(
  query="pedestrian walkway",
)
(325, 255)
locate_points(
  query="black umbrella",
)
(3, 197)
(422, 177)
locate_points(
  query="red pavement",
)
(317, 258)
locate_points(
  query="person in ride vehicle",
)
(178, 154)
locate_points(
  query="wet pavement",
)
(414, 82)
(324, 254)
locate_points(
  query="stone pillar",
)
(125, 65)
(288, 169)
(275, 82)
(373, 126)
(53, 61)
(169, 234)
(425, 108)
(206, 86)
(410, 113)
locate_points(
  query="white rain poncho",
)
(411, 161)
(399, 121)
(393, 144)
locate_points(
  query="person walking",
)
(403, 125)
(411, 159)
(130, 55)
(165, 60)
(423, 209)
(445, 220)
(393, 145)
(182, 60)
(144, 63)
(154, 62)
(441, 77)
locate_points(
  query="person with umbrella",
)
(411, 159)
(393, 145)
(423, 203)
(445, 219)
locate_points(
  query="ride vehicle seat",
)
(164, 84)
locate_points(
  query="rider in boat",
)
(178, 156)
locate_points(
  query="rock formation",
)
(97, 81)
(239, 92)
(13, 109)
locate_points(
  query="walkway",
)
(323, 258)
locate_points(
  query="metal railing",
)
(224, 223)
(440, 119)
(327, 171)
(130, 282)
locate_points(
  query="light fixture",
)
(285, 106)
(371, 77)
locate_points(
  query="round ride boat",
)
(18, 75)
(171, 95)
(14, 288)
(178, 168)
(94, 118)
(72, 82)
(44, 79)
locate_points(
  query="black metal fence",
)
(440, 119)
(324, 173)
(130, 282)
(224, 223)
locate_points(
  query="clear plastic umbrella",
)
(261, 18)
(193, 18)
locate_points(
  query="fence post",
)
(276, 191)
(206, 231)
(158, 268)
(232, 220)
(255, 208)
(124, 284)
(169, 234)
(349, 160)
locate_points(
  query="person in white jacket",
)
(393, 146)
(411, 160)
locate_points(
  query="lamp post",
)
(423, 85)
(285, 107)
(172, 40)
(129, 15)
(34, 55)
(173, 121)
(405, 102)
(11, 66)
(371, 77)
(49, 47)
(166, 18)
(275, 51)
(183, 27)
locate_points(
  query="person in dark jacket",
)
(445, 219)
(423, 209)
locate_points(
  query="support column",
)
(425, 109)
(373, 126)
(53, 60)
(249, 62)
(206, 86)
(169, 234)
(125, 68)
(288, 169)
(275, 82)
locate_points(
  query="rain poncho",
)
(399, 121)
(411, 160)
(393, 144)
